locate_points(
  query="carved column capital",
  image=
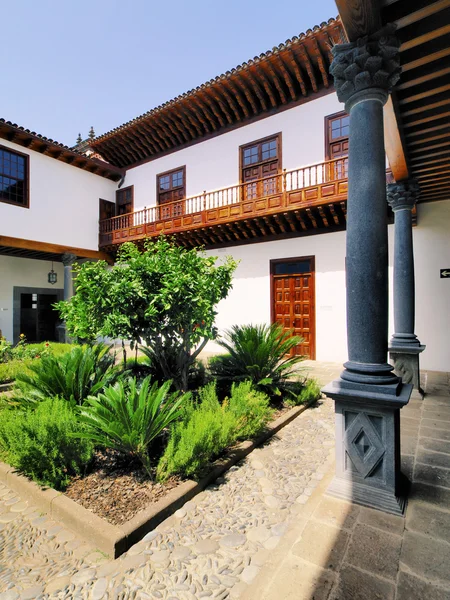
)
(369, 66)
(68, 259)
(403, 194)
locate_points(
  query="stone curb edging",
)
(114, 540)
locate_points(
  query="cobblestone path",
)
(211, 548)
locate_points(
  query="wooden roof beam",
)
(231, 102)
(309, 67)
(215, 111)
(267, 87)
(268, 222)
(424, 60)
(393, 143)
(257, 90)
(239, 97)
(297, 72)
(117, 157)
(311, 217)
(247, 93)
(176, 136)
(156, 142)
(434, 117)
(333, 214)
(206, 112)
(275, 79)
(287, 77)
(231, 229)
(222, 105)
(195, 110)
(423, 79)
(426, 37)
(182, 120)
(413, 134)
(322, 67)
(300, 219)
(162, 133)
(288, 217)
(280, 223)
(359, 17)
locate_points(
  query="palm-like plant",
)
(127, 417)
(259, 353)
(84, 371)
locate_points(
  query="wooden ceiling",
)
(420, 107)
(34, 141)
(287, 75)
(422, 97)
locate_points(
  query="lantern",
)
(52, 276)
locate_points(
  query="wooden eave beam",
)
(423, 79)
(239, 97)
(309, 66)
(150, 139)
(413, 134)
(424, 60)
(300, 219)
(12, 242)
(425, 107)
(193, 120)
(231, 102)
(175, 137)
(320, 62)
(267, 65)
(256, 89)
(163, 134)
(268, 222)
(297, 72)
(131, 146)
(333, 214)
(182, 123)
(432, 138)
(195, 110)
(426, 37)
(433, 168)
(287, 77)
(222, 105)
(266, 86)
(422, 13)
(435, 117)
(206, 112)
(159, 142)
(359, 17)
(247, 93)
(214, 109)
(393, 143)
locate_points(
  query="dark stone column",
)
(67, 260)
(404, 347)
(368, 395)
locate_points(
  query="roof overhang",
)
(20, 248)
(289, 74)
(417, 125)
(29, 139)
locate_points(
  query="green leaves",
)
(260, 354)
(127, 417)
(165, 296)
(73, 376)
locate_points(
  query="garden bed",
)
(143, 515)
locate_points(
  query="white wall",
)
(249, 300)
(432, 253)
(64, 207)
(22, 272)
(214, 163)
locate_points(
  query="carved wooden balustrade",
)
(312, 197)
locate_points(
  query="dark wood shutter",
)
(171, 191)
(260, 161)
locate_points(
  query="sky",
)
(76, 63)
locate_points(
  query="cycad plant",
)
(128, 416)
(260, 354)
(84, 371)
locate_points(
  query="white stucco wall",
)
(22, 272)
(432, 253)
(249, 300)
(214, 163)
(64, 203)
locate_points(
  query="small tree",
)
(165, 296)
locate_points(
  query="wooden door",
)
(107, 209)
(336, 143)
(293, 302)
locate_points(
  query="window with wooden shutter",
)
(125, 200)
(260, 163)
(171, 192)
(337, 128)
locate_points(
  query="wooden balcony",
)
(301, 201)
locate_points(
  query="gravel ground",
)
(213, 547)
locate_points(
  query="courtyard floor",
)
(266, 530)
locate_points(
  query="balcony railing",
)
(305, 186)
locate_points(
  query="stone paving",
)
(214, 547)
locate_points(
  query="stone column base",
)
(406, 364)
(368, 446)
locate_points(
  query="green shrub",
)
(208, 427)
(259, 353)
(127, 417)
(10, 370)
(205, 430)
(250, 408)
(40, 443)
(84, 371)
(5, 350)
(173, 363)
(308, 393)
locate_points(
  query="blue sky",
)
(103, 62)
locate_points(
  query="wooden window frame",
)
(276, 261)
(129, 187)
(278, 136)
(27, 178)
(170, 172)
(327, 121)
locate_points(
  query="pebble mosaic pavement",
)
(213, 547)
